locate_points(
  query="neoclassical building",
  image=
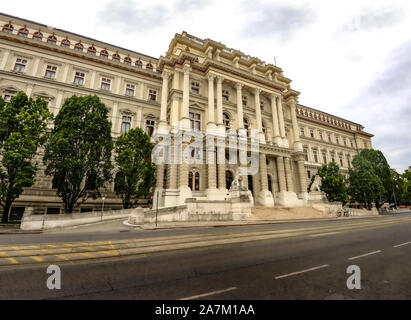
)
(199, 85)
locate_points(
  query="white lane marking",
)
(209, 293)
(364, 255)
(402, 244)
(324, 234)
(302, 271)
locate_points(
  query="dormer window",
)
(38, 35)
(65, 43)
(23, 32)
(104, 53)
(8, 28)
(149, 66)
(92, 50)
(52, 39)
(79, 46)
(225, 95)
(139, 64)
(195, 87)
(127, 60)
(116, 57)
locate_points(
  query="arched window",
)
(139, 64)
(52, 39)
(92, 50)
(104, 53)
(78, 46)
(270, 184)
(116, 57)
(23, 32)
(149, 66)
(38, 35)
(65, 43)
(194, 180)
(127, 60)
(8, 28)
(118, 180)
(226, 121)
(228, 179)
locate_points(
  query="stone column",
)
(160, 176)
(301, 175)
(114, 116)
(281, 174)
(172, 172)
(258, 115)
(276, 133)
(240, 116)
(211, 119)
(297, 144)
(281, 120)
(288, 174)
(186, 98)
(164, 100)
(4, 61)
(29, 90)
(211, 165)
(58, 103)
(220, 102)
(265, 197)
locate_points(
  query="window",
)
(125, 124)
(52, 39)
(105, 84)
(127, 60)
(309, 174)
(7, 98)
(91, 50)
(261, 105)
(337, 139)
(23, 32)
(195, 153)
(79, 78)
(194, 181)
(270, 184)
(365, 144)
(149, 127)
(139, 64)
(352, 144)
(130, 90)
(152, 95)
(246, 126)
(225, 95)
(195, 121)
(345, 141)
(228, 179)
(341, 160)
(321, 135)
(79, 46)
(315, 156)
(348, 160)
(50, 72)
(226, 121)
(311, 133)
(305, 153)
(65, 43)
(332, 156)
(37, 35)
(195, 87)
(8, 28)
(244, 99)
(116, 57)
(302, 132)
(329, 137)
(149, 66)
(104, 53)
(324, 157)
(20, 65)
(53, 211)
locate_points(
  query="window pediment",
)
(127, 112)
(43, 95)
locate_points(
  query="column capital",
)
(211, 76)
(219, 78)
(275, 95)
(186, 69)
(257, 91)
(166, 74)
(239, 85)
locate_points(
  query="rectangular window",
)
(195, 87)
(20, 65)
(311, 133)
(332, 157)
(152, 95)
(225, 95)
(306, 154)
(195, 121)
(352, 144)
(150, 127)
(244, 101)
(261, 105)
(130, 90)
(105, 84)
(341, 160)
(50, 72)
(345, 141)
(329, 137)
(321, 135)
(79, 78)
(348, 160)
(315, 156)
(302, 134)
(324, 157)
(7, 98)
(337, 139)
(309, 174)
(125, 124)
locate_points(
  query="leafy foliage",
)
(333, 183)
(22, 130)
(78, 151)
(136, 172)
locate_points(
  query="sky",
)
(348, 58)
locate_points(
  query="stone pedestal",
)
(265, 198)
(288, 199)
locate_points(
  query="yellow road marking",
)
(12, 260)
(87, 255)
(46, 251)
(3, 254)
(61, 256)
(110, 253)
(38, 259)
(51, 246)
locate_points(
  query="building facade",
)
(199, 85)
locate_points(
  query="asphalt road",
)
(284, 261)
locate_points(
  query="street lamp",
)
(102, 208)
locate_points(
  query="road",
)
(277, 261)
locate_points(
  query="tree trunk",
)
(6, 212)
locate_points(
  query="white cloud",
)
(343, 56)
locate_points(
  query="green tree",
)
(365, 185)
(22, 130)
(78, 151)
(406, 190)
(398, 184)
(333, 183)
(136, 171)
